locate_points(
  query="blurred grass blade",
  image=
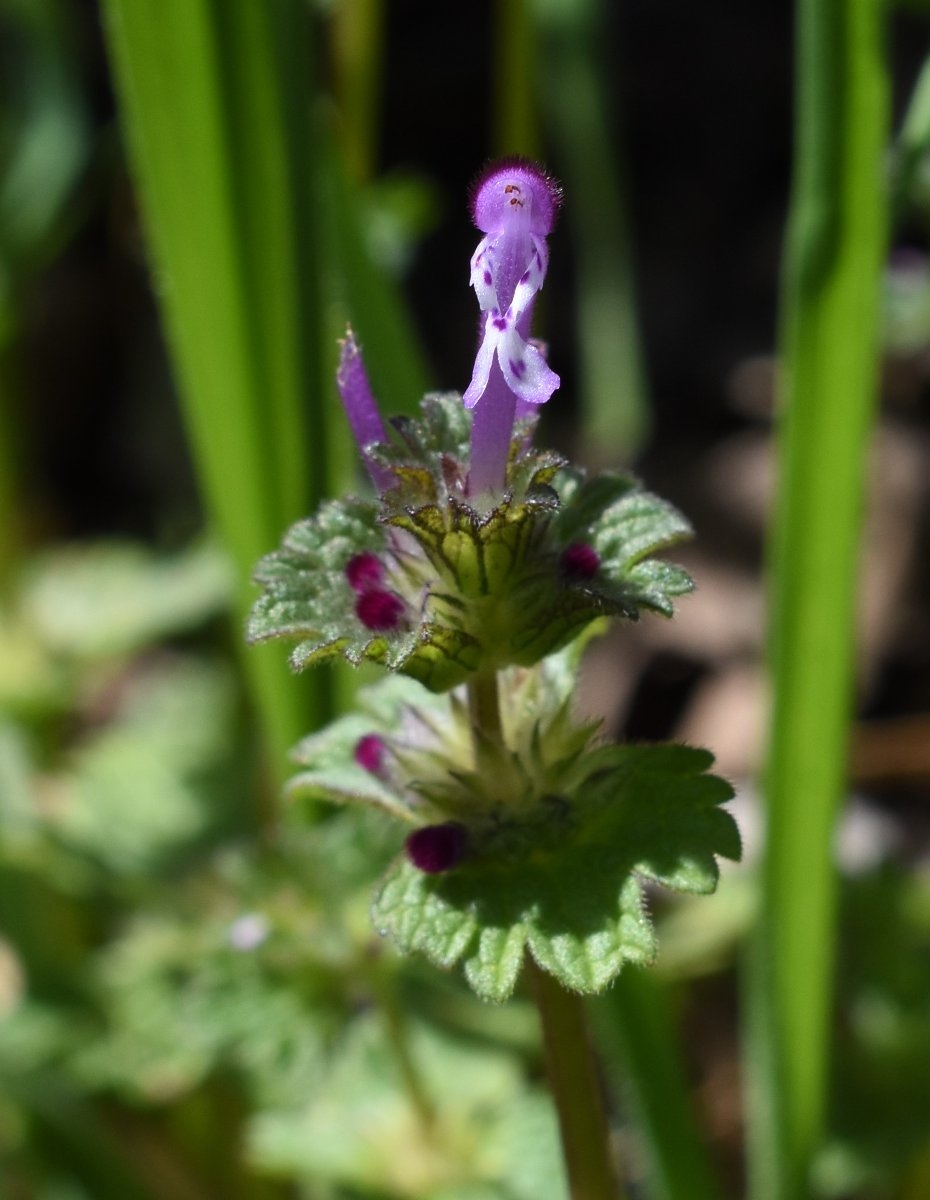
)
(10, 457)
(580, 114)
(215, 98)
(636, 1033)
(515, 109)
(912, 146)
(73, 1140)
(367, 297)
(358, 41)
(46, 132)
(835, 252)
(43, 152)
(360, 291)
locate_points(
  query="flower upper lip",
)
(514, 205)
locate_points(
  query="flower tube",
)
(514, 204)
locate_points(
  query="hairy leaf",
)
(566, 884)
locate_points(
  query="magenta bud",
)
(437, 848)
(379, 610)
(369, 753)
(580, 561)
(364, 572)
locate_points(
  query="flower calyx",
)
(424, 583)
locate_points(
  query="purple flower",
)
(361, 408)
(514, 203)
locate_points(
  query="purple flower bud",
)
(364, 572)
(361, 408)
(379, 610)
(514, 204)
(369, 753)
(580, 561)
(437, 848)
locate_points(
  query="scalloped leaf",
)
(308, 597)
(306, 592)
(330, 772)
(626, 525)
(573, 897)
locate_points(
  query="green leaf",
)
(110, 598)
(330, 771)
(566, 883)
(308, 596)
(358, 1115)
(626, 525)
(307, 593)
(135, 792)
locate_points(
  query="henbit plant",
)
(476, 575)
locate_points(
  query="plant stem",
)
(484, 707)
(570, 1062)
(575, 1089)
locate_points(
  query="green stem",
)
(484, 708)
(575, 1089)
(572, 1072)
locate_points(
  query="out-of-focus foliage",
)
(45, 134)
(157, 959)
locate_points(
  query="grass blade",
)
(215, 98)
(836, 245)
(634, 1028)
(581, 119)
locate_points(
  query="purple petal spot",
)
(580, 561)
(364, 572)
(500, 323)
(437, 848)
(515, 189)
(488, 278)
(379, 610)
(518, 367)
(369, 753)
